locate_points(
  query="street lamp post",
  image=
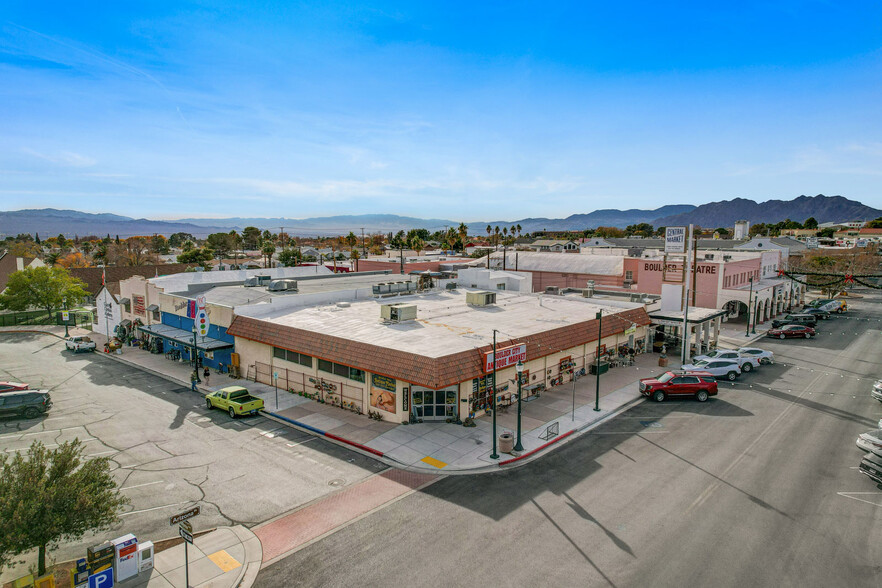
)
(494, 455)
(597, 371)
(196, 356)
(519, 367)
(749, 297)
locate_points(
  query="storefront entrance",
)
(433, 405)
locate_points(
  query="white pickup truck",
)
(77, 344)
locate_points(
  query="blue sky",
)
(446, 110)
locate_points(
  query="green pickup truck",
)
(235, 400)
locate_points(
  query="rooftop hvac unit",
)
(282, 286)
(251, 282)
(481, 298)
(384, 287)
(590, 283)
(552, 290)
(263, 280)
(627, 283)
(588, 292)
(397, 313)
(450, 285)
(708, 256)
(727, 257)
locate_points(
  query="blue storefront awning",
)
(184, 337)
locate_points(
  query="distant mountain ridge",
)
(49, 221)
(724, 214)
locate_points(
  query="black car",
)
(871, 465)
(802, 318)
(30, 404)
(817, 312)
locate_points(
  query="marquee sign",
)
(202, 323)
(505, 357)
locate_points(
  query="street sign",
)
(188, 537)
(187, 514)
(187, 526)
(102, 579)
(675, 240)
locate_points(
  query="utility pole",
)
(688, 269)
(494, 455)
(363, 244)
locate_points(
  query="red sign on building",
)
(505, 357)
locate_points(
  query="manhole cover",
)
(337, 482)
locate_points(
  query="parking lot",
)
(166, 450)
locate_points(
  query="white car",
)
(723, 368)
(871, 441)
(877, 390)
(763, 357)
(744, 360)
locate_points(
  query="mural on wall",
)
(383, 393)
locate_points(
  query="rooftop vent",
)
(282, 286)
(481, 298)
(397, 313)
(552, 290)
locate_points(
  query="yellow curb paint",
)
(224, 561)
(434, 462)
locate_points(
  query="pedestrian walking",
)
(194, 377)
(205, 374)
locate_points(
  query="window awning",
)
(185, 337)
(124, 301)
(153, 308)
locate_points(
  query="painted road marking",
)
(853, 496)
(141, 485)
(154, 508)
(224, 561)
(433, 462)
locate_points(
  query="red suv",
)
(697, 384)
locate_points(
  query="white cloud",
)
(62, 158)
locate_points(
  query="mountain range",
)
(49, 221)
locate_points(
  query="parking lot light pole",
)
(494, 455)
(196, 356)
(597, 371)
(519, 368)
(749, 296)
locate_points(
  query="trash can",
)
(663, 361)
(506, 442)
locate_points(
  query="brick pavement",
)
(294, 530)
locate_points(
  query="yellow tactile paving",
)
(434, 462)
(224, 560)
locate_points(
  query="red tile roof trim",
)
(435, 373)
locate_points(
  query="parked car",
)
(817, 312)
(828, 304)
(77, 344)
(697, 384)
(745, 361)
(763, 357)
(876, 392)
(795, 319)
(719, 368)
(871, 441)
(12, 387)
(871, 465)
(791, 331)
(235, 400)
(27, 403)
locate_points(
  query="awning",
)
(125, 323)
(153, 308)
(124, 301)
(185, 337)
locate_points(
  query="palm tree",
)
(463, 231)
(52, 258)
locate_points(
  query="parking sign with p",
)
(103, 579)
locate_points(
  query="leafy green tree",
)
(52, 496)
(873, 224)
(49, 288)
(826, 233)
(159, 244)
(178, 239)
(641, 230)
(200, 255)
(221, 243)
(722, 231)
(251, 237)
(810, 223)
(289, 257)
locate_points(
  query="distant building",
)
(742, 229)
(555, 245)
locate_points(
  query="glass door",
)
(433, 405)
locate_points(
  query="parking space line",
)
(154, 508)
(142, 485)
(102, 453)
(50, 446)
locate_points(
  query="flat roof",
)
(445, 323)
(696, 314)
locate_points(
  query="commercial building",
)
(428, 355)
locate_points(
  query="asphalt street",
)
(756, 487)
(166, 450)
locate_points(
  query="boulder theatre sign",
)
(676, 269)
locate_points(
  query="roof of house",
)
(444, 345)
(550, 242)
(8, 265)
(866, 231)
(92, 275)
(604, 265)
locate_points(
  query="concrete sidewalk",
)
(226, 557)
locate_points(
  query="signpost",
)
(675, 240)
(185, 530)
